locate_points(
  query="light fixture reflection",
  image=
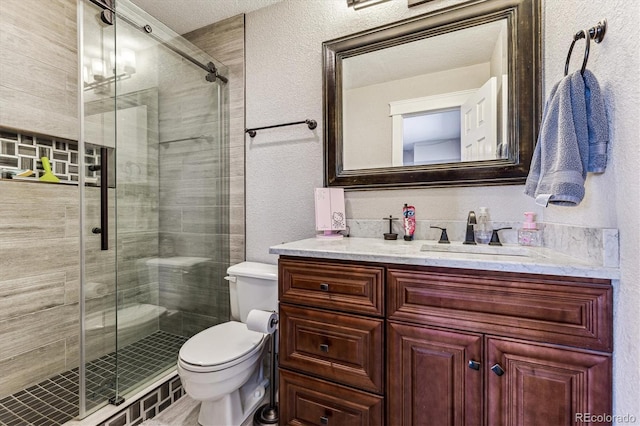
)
(98, 74)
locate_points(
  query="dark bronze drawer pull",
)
(324, 420)
(497, 369)
(324, 348)
(474, 365)
(324, 287)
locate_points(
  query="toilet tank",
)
(252, 285)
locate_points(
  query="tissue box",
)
(330, 215)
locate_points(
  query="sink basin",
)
(482, 249)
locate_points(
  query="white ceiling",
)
(183, 16)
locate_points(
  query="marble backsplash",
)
(596, 246)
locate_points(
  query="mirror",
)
(451, 98)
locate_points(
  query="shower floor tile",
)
(54, 401)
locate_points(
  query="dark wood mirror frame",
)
(524, 109)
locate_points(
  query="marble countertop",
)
(512, 258)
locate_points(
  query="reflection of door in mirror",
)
(479, 120)
(390, 91)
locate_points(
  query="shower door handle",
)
(104, 199)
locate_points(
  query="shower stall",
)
(152, 161)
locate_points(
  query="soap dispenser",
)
(483, 227)
(529, 234)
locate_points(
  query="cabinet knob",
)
(324, 348)
(324, 420)
(474, 365)
(324, 287)
(497, 369)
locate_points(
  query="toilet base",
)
(266, 415)
(233, 409)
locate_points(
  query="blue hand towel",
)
(572, 140)
(597, 124)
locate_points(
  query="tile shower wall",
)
(202, 188)
(38, 64)
(39, 282)
(193, 206)
(39, 231)
(225, 41)
(137, 219)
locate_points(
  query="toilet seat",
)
(220, 347)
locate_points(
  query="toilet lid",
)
(221, 344)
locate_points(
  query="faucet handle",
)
(444, 238)
(495, 240)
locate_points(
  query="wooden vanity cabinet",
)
(331, 351)
(373, 344)
(488, 348)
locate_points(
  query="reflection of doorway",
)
(438, 107)
(431, 137)
(423, 133)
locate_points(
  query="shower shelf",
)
(22, 150)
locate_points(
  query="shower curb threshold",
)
(108, 411)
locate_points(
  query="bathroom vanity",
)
(380, 332)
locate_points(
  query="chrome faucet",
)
(470, 236)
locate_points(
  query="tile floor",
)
(54, 401)
(184, 413)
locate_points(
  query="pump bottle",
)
(483, 227)
(529, 234)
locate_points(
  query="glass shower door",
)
(97, 143)
(160, 121)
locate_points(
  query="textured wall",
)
(613, 198)
(284, 83)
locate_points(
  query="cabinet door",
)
(541, 385)
(434, 376)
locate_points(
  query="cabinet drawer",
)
(342, 287)
(309, 401)
(344, 348)
(563, 310)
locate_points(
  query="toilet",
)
(222, 366)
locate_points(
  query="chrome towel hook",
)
(594, 33)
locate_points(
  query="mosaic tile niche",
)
(23, 151)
